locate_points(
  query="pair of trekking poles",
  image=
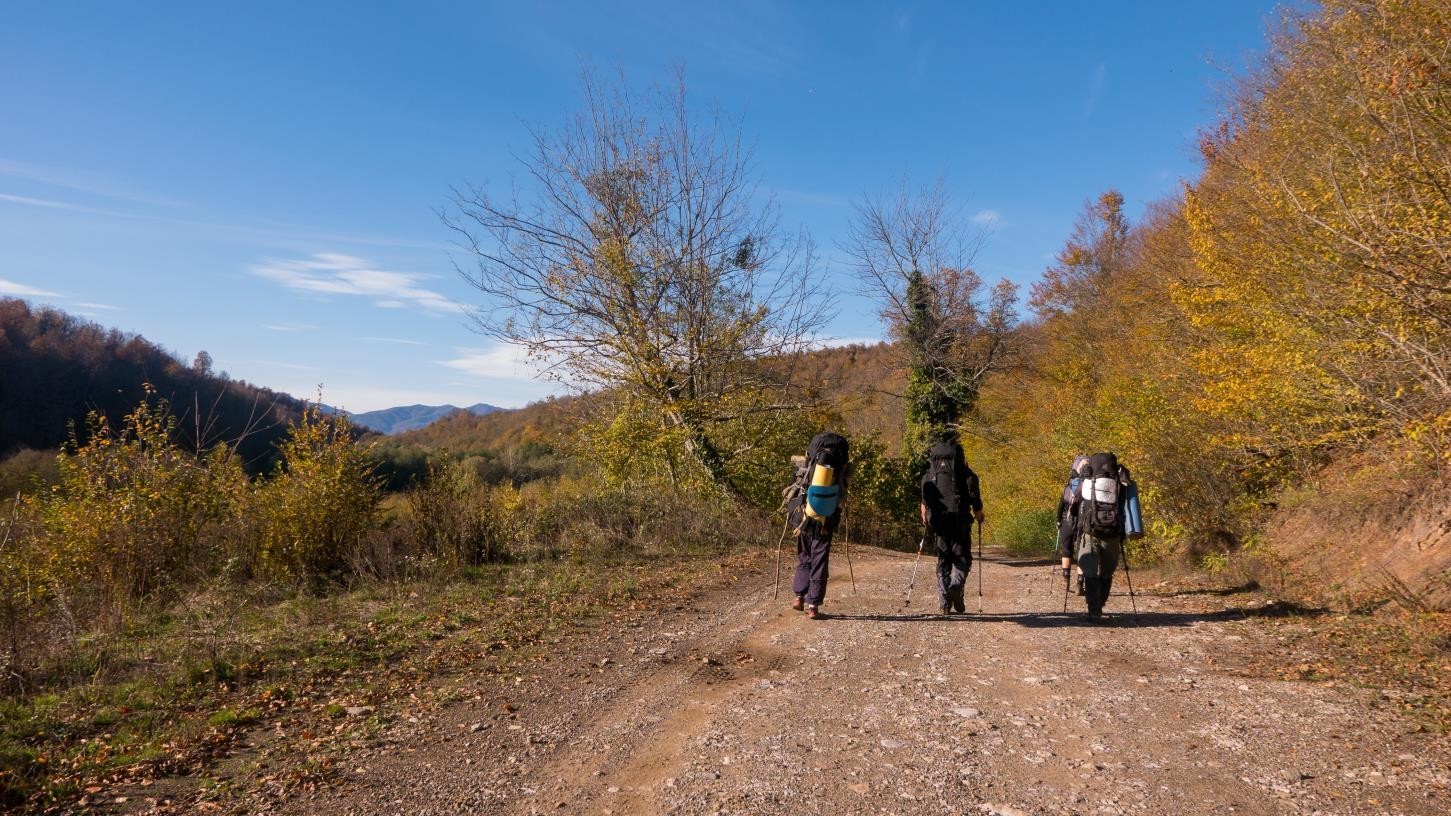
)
(846, 545)
(913, 580)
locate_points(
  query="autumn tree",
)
(1088, 262)
(202, 363)
(641, 260)
(913, 253)
(1323, 229)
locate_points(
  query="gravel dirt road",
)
(734, 704)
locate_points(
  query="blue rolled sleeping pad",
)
(1134, 518)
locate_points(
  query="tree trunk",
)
(698, 445)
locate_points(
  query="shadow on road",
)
(1010, 561)
(1223, 592)
(1075, 617)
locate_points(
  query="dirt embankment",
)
(732, 704)
(1361, 534)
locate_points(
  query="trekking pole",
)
(1067, 569)
(846, 540)
(1129, 577)
(980, 563)
(913, 580)
(779, 543)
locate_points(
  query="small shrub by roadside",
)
(1027, 533)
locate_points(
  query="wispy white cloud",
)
(81, 181)
(289, 327)
(987, 218)
(82, 308)
(399, 340)
(331, 273)
(270, 232)
(1095, 88)
(837, 342)
(15, 289)
(52, 204)
(289, 366)
(502, 362)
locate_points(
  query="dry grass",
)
(177, 695)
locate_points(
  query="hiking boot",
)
(812, 612)
(944, 609)
(798, 604)
(958, 605)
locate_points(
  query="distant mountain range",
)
(412, 417)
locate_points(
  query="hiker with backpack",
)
(814, 506)
(951, 499)
(1105, 512)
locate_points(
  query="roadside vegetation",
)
(156, 601)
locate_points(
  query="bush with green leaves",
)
(1028, 532)
(455, 516)
(133, 516)
(883, 496)
(319, 505)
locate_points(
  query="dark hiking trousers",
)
(954, 562)
(1065, 537)
(1098, 558)
(813, 554)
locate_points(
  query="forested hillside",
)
(55, 369)
(864, 382)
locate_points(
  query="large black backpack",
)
(822, 503)
(947, 488)
(1100, 509)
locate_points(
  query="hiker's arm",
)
(1067, 528)
(923, 508)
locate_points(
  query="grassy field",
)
(176, 694)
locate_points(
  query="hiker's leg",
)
(820, 566)
(961, 566)
(959, 579)
(1110, 553)
(944, 572)
(1088, 558)
(801, 579)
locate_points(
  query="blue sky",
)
(261, 180)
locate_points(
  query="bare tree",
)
(641, 259)
(913, 253)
